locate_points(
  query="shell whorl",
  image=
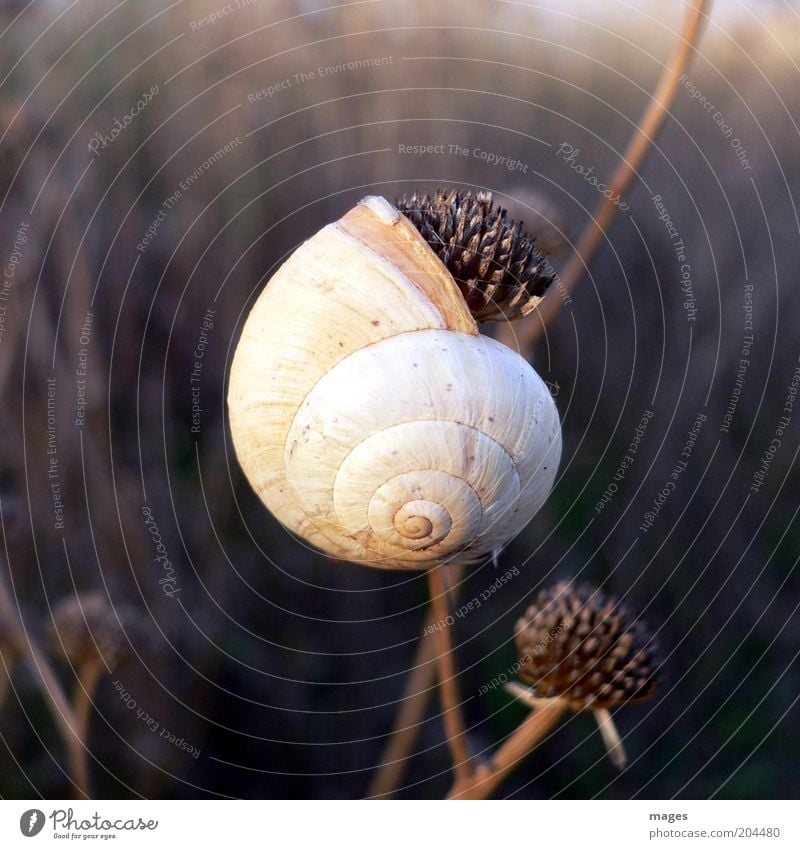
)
(372, 418)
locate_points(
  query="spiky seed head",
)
(86, 627)
(581, 645)
(495, 264)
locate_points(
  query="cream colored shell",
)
(371, 417)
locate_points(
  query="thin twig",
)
(638, 148)
(483, 782)
(448, 686)
(89, 674)
(405, 730)
(5, 678)
(63, 714)
(411, 713)
(610, 735)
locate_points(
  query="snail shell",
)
(370, 416)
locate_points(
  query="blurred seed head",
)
(581, 645)
(495, 264)
(87, 628)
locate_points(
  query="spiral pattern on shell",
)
(369, 414)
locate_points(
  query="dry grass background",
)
(282, 668)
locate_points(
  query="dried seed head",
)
(498, 269)
(87, 628)
(578, 644)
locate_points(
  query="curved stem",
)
(483, 782)
(77, 760)
(448, 687)
(638, 148)
(5, 678)
(89, 674)
(407, 722)
(411, 713)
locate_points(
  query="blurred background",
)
(157, 164)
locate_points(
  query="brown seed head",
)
(498, 269)
(86, 628)
(578, 644)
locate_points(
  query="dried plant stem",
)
(405, 730)
(411, 713)
(448, 686)
(89, 675)
(62, 711)
(608, 730)
(5, 680)
(486, 778)
(635, 154)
